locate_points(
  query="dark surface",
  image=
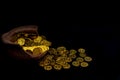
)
(99, 35)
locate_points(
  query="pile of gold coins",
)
(32, 43)
(61, 58)
(54, 58)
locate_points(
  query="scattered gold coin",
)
(82, 54)
(79, 59)
(66, 66)
(72, 51)
(84, 64)
(87, 58)
(68, 59)
(48, 68)
(81, 50)
(57, 67)
(72, 56)
(62, 48)
(46, 62)
(76, 63)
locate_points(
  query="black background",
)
(99, 35)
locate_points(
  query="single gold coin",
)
(48, 67)
(81, 50)
(66, 66)
(68, 59)
(72, 56)
(49, 57)
(87, 58)
(72, 51)
(84, 64)
(45, 42)
(46, 62)
(61, 63)
(57, 67)
(79, 59)
(76, 63)
(62, 48)
(38, 39)
(37, 51)
(82, 54)
(21, 41)
(52, 51)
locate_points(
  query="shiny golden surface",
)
(45, 42)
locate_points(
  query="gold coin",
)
(81, 50)
(66, 66)
(49, 57)
(52, 51)
(60, 62)
(72, 56)
(38, 39)
(45, 42)
(48, 68)
(21, 41)
(62, 48)
(68, 59)
(72, 51)
(76, 63)
(37, 51)
(46, 62)
(84, 64)
(57, 67)
(79, 59)
(87, 58)
(82, 54)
